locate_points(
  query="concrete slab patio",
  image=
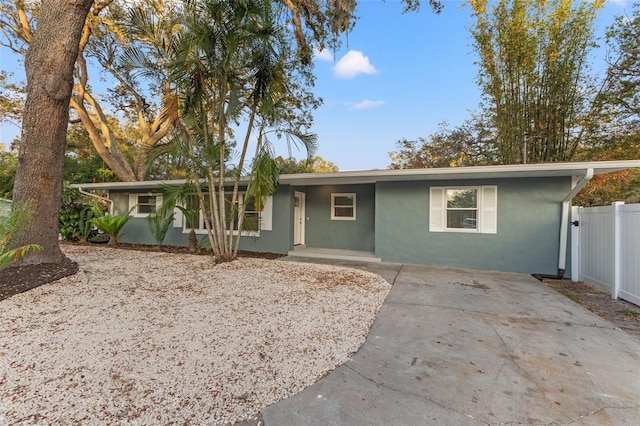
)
(456, 347)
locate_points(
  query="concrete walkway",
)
(457, 347)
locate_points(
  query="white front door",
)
(298, 219)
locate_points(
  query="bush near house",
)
(75, 218)
(112, 225)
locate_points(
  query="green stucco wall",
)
(322, 232)
(277, 240)
(528, 227)
(392, 219)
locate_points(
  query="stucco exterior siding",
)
(528, 226)
(277, 240)
(322, 232)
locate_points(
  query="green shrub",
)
(159, 224)
(191, 216)
(12, 227)
(112, 225)
(75, 217)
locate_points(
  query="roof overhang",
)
(574, 170)
(141, 185)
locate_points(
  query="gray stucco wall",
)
(277, 240)
(528, 227)
(323, 232)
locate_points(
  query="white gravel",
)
(157, 338)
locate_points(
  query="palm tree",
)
(232, 63)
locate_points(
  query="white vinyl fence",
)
(608, 248)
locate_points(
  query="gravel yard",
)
(159, 338)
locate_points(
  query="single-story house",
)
(512, 218)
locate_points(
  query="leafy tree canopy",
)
(467, 145)
(316, 164)
(534, 75)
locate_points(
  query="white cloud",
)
(367, 104)
(323, 55)
(620, 3)
(352, 64)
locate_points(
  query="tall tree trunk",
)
(49, 68)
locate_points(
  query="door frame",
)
(299, 218)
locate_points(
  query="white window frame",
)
(335, 195)
(266, 219)
(486, 208)
(134, 203)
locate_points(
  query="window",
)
(463, 209)
(343, 206)
(144, 204)
(256, 217)
(251, 221)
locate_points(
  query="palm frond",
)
(12, 256)
(13, 227)
(264, 177)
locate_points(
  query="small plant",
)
(569, 295)
(159, 224)
(112, 225)
(173, 197)
(191, 216)
(85, 222)
(12, 227)
(631, 313)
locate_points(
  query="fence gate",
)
(608, 248)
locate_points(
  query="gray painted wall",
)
(526, 241)
(275, 241)
(393, 219)
(322, 232)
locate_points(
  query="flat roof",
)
(576, 170)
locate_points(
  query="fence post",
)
(615, 288)
(575, 244)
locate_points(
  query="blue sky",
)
(424, 74)
(396, 76)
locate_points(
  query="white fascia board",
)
(459, 173)
(577, 169)
(142, 185)
(148, 184)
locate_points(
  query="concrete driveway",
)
(456, 347)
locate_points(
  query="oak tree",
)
(49, 66)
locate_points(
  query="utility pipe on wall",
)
(82, 191)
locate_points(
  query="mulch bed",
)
(625, 315)
(18, 279)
